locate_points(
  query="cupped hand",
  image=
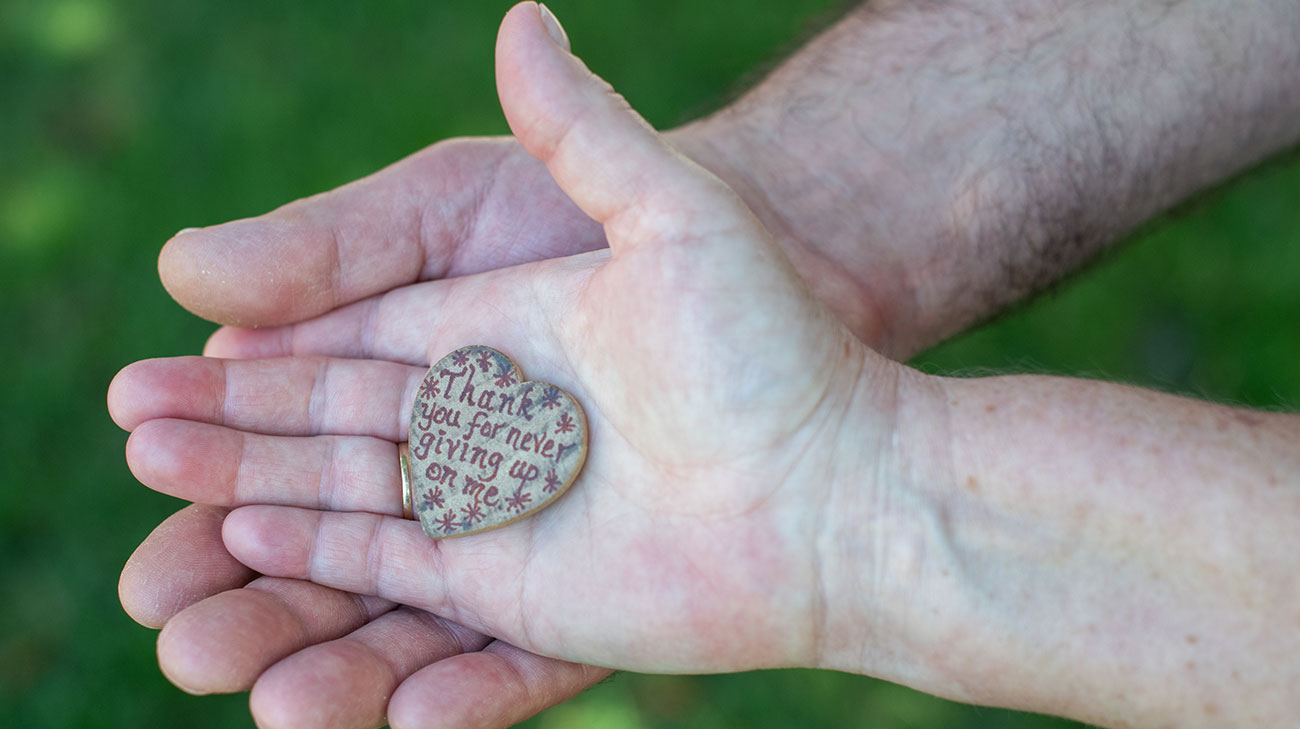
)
(317, 656)
(715, 388)
(461, 207)
(714, 385)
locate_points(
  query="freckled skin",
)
(1132, 518)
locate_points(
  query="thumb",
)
(607, 158)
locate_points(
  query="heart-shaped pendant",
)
(488, 448)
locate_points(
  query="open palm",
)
(713, 383)
(712, 390)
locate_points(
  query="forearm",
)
(929, 163)
(1119, 556)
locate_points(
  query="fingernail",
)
(554, 28)
(183, 231)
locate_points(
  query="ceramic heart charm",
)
(488, 448)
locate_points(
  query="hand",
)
(691, 438)
(319, 338)
(458, 208)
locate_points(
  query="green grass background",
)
(121, 122)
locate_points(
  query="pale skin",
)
(949, 542)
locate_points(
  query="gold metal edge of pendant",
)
(404, 465)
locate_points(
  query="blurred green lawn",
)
(121, 122)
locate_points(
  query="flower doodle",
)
(433, 497)
(551, 399)
(428, 388)
(518, 500)
(552, 482)
(504, 378)
(448, 522)
(473, 514)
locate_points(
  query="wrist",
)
(1063, 524)
(888, 570)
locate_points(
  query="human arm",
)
(1062, 546)
(923, 165)
(1111, 554)
(403, 196)
(807, 523)
(927, 164)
